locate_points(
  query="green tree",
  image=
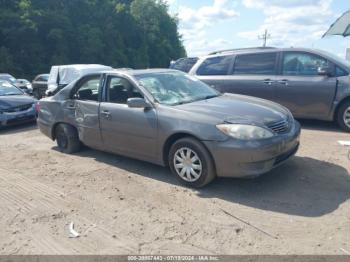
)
(36, 34)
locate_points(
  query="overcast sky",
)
(208, 25)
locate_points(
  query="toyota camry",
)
(171, 119)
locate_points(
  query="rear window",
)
(255, 64)
(215, 66)
(184, 64)
(42, 78)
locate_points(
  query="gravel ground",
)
(124, 206)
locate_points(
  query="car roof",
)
(255, 50)
(135, 72)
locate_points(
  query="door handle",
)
(283, 82)
(268, 81)
(106, 114)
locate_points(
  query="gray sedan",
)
(171, 119)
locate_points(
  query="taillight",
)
(37, 107)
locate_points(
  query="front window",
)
(255, 64)
(302, 64)
(174, 88)
(119, 90)
(7, 89)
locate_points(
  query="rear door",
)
(248, 74)
(82, 110)
(214, 71)
(130, 131)
(301, 89)
(254, 75)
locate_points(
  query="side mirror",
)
(138, 103)
(324, 71)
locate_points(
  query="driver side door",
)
(128, 131)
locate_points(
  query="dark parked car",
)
(15, 106)
(184, 64)
(171, 119)
(310, 83)
(7, 77)
(39, 85)
(25, 85)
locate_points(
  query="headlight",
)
(245, 132)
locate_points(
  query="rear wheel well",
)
(170, 141)
(345, 100)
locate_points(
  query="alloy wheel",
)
(187, 164)
(346, 117)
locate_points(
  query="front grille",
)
(23, 119)
(280, 127)
(18, 108)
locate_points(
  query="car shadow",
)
(320, 125)
(18, 128)
(303, 186)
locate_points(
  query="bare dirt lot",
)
(124, 206)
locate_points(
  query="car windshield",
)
(175, 88)
(7, 89)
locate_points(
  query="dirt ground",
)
(124, 206)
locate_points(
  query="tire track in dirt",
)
(44, 203)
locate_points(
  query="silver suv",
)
(313, 84)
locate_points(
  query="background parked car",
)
(25, 85)
(7, 77)
(184, 64)
(171, 119)
(39, 85)
(311, 83)
(15, 106)
(61, 76)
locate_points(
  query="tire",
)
(197, 177)
(67, 139)
(343, 116)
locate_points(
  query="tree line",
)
(36, 34)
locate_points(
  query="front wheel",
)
(191, 163)
(67, 139)
(343, 116)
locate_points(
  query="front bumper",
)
(8, 119)
(235, 158)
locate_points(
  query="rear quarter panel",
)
(51, 112)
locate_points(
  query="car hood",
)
(14, 101)
(238, 109)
